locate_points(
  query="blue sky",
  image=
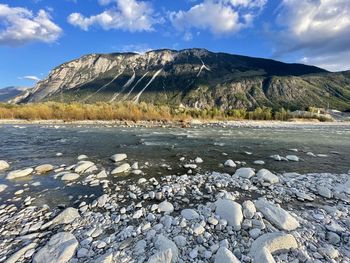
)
(38, 35)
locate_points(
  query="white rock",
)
(121, 169)
(292, 158)
(198, 229)
(118, 157)
(248, 209)
(44, 168)
(101, 174)
(230, 211)
(82, 157)
(230, 163)
(17, 255)
(190, 166)
(223, 255)
(276, 215)
(60, 249)
(83, 166)
(70, 177)
(198, 160)
(263, 247)
(4, 165)
(102, 200)
(245, 173)
(166, 207)
(189, 214)
(3, 187)
(162, 244)
(267, 176)
(19, 173)
(259, 162)
(276, 157)
(67, 216)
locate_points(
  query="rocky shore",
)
(244, 216)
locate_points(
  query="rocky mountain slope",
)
(9, 93)
(193, 77)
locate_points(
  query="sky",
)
(38, 35)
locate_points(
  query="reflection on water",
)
(32, 145)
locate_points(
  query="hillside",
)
(9, 93)
(193, 77)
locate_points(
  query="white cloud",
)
(319, 29)
(128, 15)
(20, 26)
(218, 16)
(33, 78)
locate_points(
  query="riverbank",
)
(241, 216)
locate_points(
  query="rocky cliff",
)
(193, 77)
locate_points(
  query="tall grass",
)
(133, 112)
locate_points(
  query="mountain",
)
(9, 93)
(193, 77)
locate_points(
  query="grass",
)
(137, 112)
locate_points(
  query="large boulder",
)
(19, 173)
(267, 176)
(230, 211)
(4, 165)
(225, 256)
(276, 215)
(163, 244)
(60, 249)
(264, 246)
(121, 169)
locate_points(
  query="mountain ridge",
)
(194, 78)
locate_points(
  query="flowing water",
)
(31, 145)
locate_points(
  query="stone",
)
(121, 169)
(292, 158)
(162, 257)
(198, 229)
(4, 165)
(70, 177)
(180, 241)
(3, 187)
(162, 244)
(259, 162)
(324, 191)
(67, 216)
(267, 176)
(82, 157)
(248, 209)
(245, 172)
(44, 168)
(230, 163)
(230, 211)
(223, 255)
(276, 215)
(106, 258)
(267, 244)
(19, 173)
(330, 251)
(189, 214)
(118, 157)
(59, 249)
(198, 160)
(166, 207)
(102, 200)
(101, 174)
(83, 166)
(17, 255)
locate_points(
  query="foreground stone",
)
(245, 173)
(44, 168)
(17, 255)
(19, 173)
(230, 211)
(230, 163)
(276, 215)
(121, 169)
(225, 256)
(3, 187)
(60, 249)
(4, 165)
(163, 244)
(67, 216)
(267, 176)
(83, 166)
(263, 247)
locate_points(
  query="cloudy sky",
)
(37, 35)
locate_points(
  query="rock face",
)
(230, 211)
(263, 247)
(212, 79)
(121, 169)
(19, 173)
(60, 249)
(225, 256)
(276, 215)
(4, 165)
